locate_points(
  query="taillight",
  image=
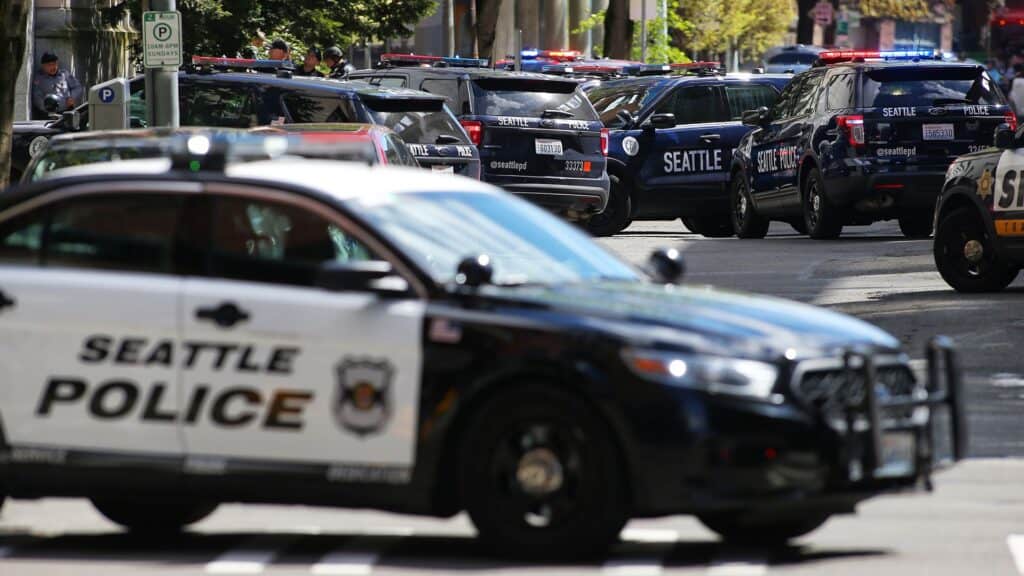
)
(853, 125)
(475, 130)
(604, 141)
(1011, 119)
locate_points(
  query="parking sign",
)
(161, 39)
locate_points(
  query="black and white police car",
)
(272, 331)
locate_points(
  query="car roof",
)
(879, 64)
(328, 84)
(133, 135)
(349, 128)
(463, 71)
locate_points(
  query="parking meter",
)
(108, 105)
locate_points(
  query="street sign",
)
(823, 12)
(161, 39)
(637, 10)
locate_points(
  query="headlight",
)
(713, 374)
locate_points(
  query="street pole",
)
(162, 83)
(643, 31)
(449, 7)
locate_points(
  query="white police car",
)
(313, 332)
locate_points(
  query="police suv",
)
(243, 93)
(671, 144)
(867, 136)
(979, 218)
(323, 333)
(538, 135)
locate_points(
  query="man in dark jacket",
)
(51, 79)
(310, 64)
(334, 59)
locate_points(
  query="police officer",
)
(279, 50)
(334, 59)
(56, 81)
(310, 64)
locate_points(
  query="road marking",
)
(1016, 544)
(737, 565)
(633, 567)
(646, 565)
(251, 557)
(649, 535)
(342, 563)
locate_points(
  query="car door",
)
(90, 324)
(741, 97)
(767, 163)
(293, 373)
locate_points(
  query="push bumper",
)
(572, 198)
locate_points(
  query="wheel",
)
(541, 477)
(820, 217)
(615, 217)
(966, 257)
(916, 225)
(740, 529)
(799, 225)
(746, 222)
(710, 225)
(162, 516)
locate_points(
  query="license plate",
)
(898, 455)
(938, 132)
(443, 169)
(1009, 227)
(548, 147)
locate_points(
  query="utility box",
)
(108, 105)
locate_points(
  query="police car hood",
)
(703, 318)
(32, 126)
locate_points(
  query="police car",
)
(243, 93)
(322, 333)
(979, 217)
(866, 136)
(535, 60)
(538, 135)
(671, 144)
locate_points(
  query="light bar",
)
(393, 58)
(834, 56)
(561, 55)
(465, 62)
(529, 53)
(240, 62)
(582, 69)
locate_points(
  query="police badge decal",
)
(362, 398)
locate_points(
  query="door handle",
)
(6, 301)
(711, 137)
(226, 315)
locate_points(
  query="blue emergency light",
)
(465, 62)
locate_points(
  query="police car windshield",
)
(632, 98)
(928, 86)
(526, 244)
(530, 98)
(420, 123)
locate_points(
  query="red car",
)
(347, 141)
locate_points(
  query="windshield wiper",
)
(556, 114)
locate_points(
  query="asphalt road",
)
(972, 524)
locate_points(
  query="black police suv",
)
(671, 146)
(239, 93)
(865, 136)
(333, 334)
(538, 135)
(979, 217)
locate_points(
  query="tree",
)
(13, 20)
(750, 26)
(618, 30)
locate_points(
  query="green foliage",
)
(659, 48)
(912, 10)
(595, 20)
(754, 24)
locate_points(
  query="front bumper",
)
(757, 458)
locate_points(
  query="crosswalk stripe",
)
(342, 563)
(646, 565)
(730, 565)
(251, 557)
(1016, 544)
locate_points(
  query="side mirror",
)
(626, 118)
(660, 121)
(474, 271)
(370, 276)
(666, 265)
(1005, 139)
(755, 117)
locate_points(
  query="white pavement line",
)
(251, 557)
(1016, 544)
(643, 565)
(649, 535)
(737, 565)
(359, 556)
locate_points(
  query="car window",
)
(608, 102)
(265, 241)
(530, 98)
(401, 153)
(114, 232)
(389, 81)
(21, 239)
(804, 58)
(447, 87)
(416, 121)
(305, 108)
(804, 99)
(222, 106)
(839, 89)
(694, 105)
(743, 97)
(784, 105)
(928, 86)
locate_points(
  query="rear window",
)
(530, 98)
(793, 58)
(922, 86)
(416, 121)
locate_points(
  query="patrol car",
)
(979, 218)
(243, 93)
(865, 136)
(322, 333)
(538, 135)
(671, 144)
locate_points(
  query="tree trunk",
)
(618, 30)
(13, 19)
(486, 25)
(805, 23)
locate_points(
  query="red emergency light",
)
(700, 65)
(561, 55)
(421, 59)
(834, 56)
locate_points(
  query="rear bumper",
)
(573, 198)
(868, 188)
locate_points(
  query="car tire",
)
(820, 217)
(615, 217)
(959, 232)
(746, 223)
(710, 225)
(916, 225)
(738, 528)
(153, 517)
(574, 504)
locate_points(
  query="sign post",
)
(161, 55)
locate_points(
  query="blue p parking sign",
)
(107, 95)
